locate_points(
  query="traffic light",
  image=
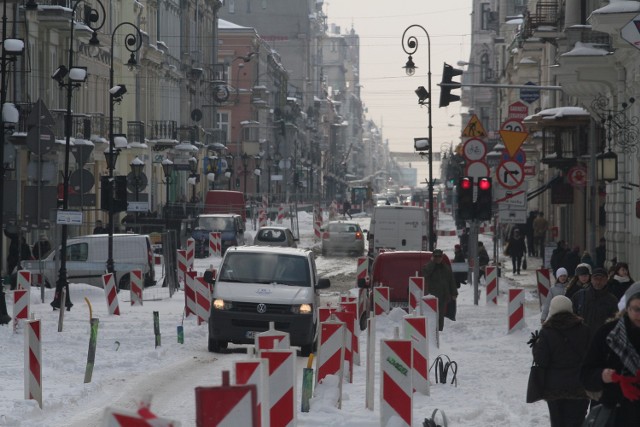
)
(448, 73)
(484, 200)
(465, 198)
(113, 191)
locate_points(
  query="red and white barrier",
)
(135, 286)
(516, 309)
(110, 292)
(371, 363)
(190, 304)
(492, 284)
(350, 305)
(396, 387)
(281, 383)
(348, 319)
(191, 252)
(215, 243)
(280, 217)
(324, 313)
(381, 303)
(416, 292)
(158, 259)
(23, 280)
(262, 218)
(431, 311)
(543, 277)
(20, 308)
(362, 270)
(226, 405)
(272, 339)
(331, 350)
(415, 330)
(37, 279)
(142, 418)
(181, 258)
(256, 372)
(33, 361)
(203, 300)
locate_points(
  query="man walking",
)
(439, 282)
(540, 227)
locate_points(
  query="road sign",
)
(631, 32)
(40, 115)
(510, 174)
(69, 217)
(477, 169)
(577, 176)
(137, 206)
(512, 216)
(517, 111)
(474, 149)
(513, 134)
(530, 95)
(508, 198)
(529, 169)
(519, 157)
(40, 140)
(474, 128)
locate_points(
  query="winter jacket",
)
(563, 343)
(557, 256)
(540, 226)
(618, 285)
(570, 261)
(594, 306)
(517, 247)
(599, 357)
(557, 289)
(439, 282)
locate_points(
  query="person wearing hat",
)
(580, 280)
(439, 282)
(42, 247)
(595, 304)
(517, 250)
(560, 348)
(558, 288)
(619, 280)
(611, 367)
(458, 256)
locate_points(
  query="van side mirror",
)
(362, 283)
(323, 283)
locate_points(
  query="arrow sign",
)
(510, 174)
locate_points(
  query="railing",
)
(163, 129)
(135, 131)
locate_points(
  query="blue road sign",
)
(530, 95)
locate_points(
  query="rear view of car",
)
(342, 237)
(275, 236)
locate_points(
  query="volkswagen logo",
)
(261, 308)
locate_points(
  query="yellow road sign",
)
(474, 128)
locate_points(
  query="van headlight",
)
(301, 309)
(220, 304)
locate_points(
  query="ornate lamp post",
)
(75, 77)
(167, 169)
(410, 46)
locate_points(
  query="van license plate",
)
(250, 334)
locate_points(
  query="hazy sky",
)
(388, 93)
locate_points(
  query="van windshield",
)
(216, 223)
(265, 268)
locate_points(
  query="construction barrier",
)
(281, 384)
(516, 309)
(191, 253)
(215, 243)
(280, 217)
(181, 258)
(491, 278)
(429, 309)
(348, 319)
(415, 330)
(371, 362)
(272, 339)
(256, 372)
(23, 280)
(158, 259)
(190, 304)
(135, 287)
(381, 303)
(350, 304)
(111, 293)
(362, 270)
(226, 405)
(33, 361)
(203, 299)
(416, 292)
(21, 300)
(331, 350)
(543, 277)
(396, 387)
(324, 313)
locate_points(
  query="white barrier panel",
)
(272, 339)
(331, 349)
(33, 361)
(21, 301)
(181, 258)
(492, 284)
(371, 361)
(203, 300)
(226, 405)
(396, 388)
(543, 277)
(416, 292)
(110, 292)
(516, 309)
(215, 243)
(282, 393)
(190, 305)
(135, 287)
(381, 303)
(415, 330)
(23, 280)
(431, 312)
(255, 371)
(191, 252)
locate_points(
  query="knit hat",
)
(632, 293)
(437, 252)
(583, 269)
(559, 304)
(561, 272)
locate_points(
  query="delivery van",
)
(225, 202)
(87, 260)
(400, 228)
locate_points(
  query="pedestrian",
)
(558, 288)
(620, 280)
(42, 247)
(572, 259)
(580, 280)
(558, 255)
(595, 304)
(559, 349)
(540, 227)
(439, 282)
(517, 249)
(464, 241)
(99, 228)
(601, 253)
(586, 259)
(483, 259)
(611, 367)
(346, 209)
(458, 257)
(532, 216)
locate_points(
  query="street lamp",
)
(257, 172)
(137, 166)
(167, 169)
(245, 165)
(11, 49)
(133, 42)
(194, 177)
(75, 76)
(410, 46)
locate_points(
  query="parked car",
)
(259, 285)
(275, 236)
(342, 237)
(230, 226)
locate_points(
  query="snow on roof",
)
(586, 49)
(559, 112)
(618, 7)
(227, 25)
(515, 21)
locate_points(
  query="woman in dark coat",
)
(620, 280)
(612, 365)
(560, 348)
(517, 250)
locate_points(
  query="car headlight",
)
(302, 309)
(220, 304)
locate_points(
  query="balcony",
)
(56, 14)
(546, 22)
(163, 134)
(135, 132)
(80, 125)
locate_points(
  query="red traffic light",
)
(466, 183)
(484, 184)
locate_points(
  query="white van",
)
(87, 260)
(401, 228)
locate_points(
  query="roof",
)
(280, 250)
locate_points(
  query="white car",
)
(275, 236)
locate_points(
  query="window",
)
(77, 252)
(485, 15)
(222, 119)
